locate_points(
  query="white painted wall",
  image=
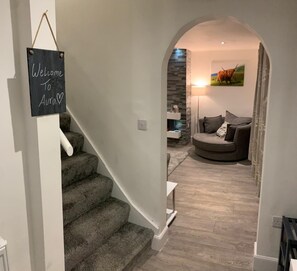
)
(116, 74)
(103, 74)
(31, 198)
(238, 100)
(13, 213)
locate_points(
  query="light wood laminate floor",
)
(215, 228)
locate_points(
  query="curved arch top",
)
(204, 19)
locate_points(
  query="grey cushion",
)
(230, 117)
(213, 143)
(241, 121)
(231, 129)
(212, 124)
(233, 119)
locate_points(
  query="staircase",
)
(97, 234)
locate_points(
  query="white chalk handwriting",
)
(52, 100)
(44, 72)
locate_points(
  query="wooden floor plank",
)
(216, 225)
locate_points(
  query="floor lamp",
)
(197, 91)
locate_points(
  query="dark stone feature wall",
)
(179, 93)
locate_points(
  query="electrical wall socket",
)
(277, 222)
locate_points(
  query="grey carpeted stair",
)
(84, 195)
(78, 167)
(119, 251)
(97, 235)
(91, 230)
(65, 122)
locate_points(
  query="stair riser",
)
(84, 197)
(65, 121)
(78, 170)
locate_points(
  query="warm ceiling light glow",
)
(222, 42)
(200, 83)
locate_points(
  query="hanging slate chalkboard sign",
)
(46, 81)
(46, 77)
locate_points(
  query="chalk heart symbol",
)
(60, 97)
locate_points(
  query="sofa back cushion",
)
(212, 124)
(241, 121)
(233, 119)
(230, 117)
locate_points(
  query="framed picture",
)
(227, 73)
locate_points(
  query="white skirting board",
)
(160, 240)
(3, 256)
(263, 263)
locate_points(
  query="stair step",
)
(78, 167)
(76, 140)
(85, 195)
(120, 251)
(84, 235)
(65, 121)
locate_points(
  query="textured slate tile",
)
(179, 92)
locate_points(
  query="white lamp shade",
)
(198, 91)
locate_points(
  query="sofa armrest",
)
(242, 135)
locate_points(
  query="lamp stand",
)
(197, 117)
(197, 91)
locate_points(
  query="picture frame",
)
(227, 73)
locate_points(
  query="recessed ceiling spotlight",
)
(222, 42)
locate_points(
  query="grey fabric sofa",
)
(212, 147)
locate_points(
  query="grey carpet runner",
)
(97, 234)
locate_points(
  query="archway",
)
(170, 49)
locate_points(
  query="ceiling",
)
(208, 36)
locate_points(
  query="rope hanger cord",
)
(50, 27)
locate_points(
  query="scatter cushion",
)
(221, 132)
(212, 124)
(230, 132)
(230, 117)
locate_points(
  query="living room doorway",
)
(201, 83)
(216, 198)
